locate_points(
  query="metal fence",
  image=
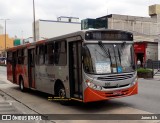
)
(154, 65)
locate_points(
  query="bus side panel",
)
(46, 76)
(42, 82)
(10, 66)
(61, 73)
(25, 76)
(18, 73)
(9, 72)
(21, 70)
(50, 71)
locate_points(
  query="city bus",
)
(87, 66)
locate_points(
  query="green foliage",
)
(143, 70)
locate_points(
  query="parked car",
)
(2, 60)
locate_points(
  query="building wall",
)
(49, 29)
(140, 26)
(143, 28)
(9, 42)
(152, 51)
(149, 50)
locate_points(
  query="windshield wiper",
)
(119, 55)
(107, 52)
(103, 48)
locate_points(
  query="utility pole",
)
(34, 22)
(5, 30)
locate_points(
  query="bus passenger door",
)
(14, 66)
(75, 69)
(31, 68)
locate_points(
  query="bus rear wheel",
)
(21, 85)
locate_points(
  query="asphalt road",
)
(147, 101)
(2, 71)
(148, 98)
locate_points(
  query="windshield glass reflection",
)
(108, 58)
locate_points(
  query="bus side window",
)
(49, 53)
(41, 54)
(9, 57)
(25, 57)
(40, 51)
(21, 56)
(37, 56)
(61, 53)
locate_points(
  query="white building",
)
(27, 40)
(49, 28)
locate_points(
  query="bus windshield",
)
(108, 58)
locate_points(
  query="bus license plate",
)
(117, 93)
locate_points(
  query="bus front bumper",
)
(91, 95)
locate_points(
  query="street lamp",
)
(5, 30)
(34, 23)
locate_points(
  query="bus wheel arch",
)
(58, 87)
(60, 92)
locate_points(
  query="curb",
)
(3, 65)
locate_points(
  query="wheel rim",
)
(62, 93)
(21, 85)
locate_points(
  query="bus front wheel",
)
(62, 96)
(62, 93)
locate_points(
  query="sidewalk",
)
(6, 107)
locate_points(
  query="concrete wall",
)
(9, 42)
(143, 28)
(138, 25)
(152, 51)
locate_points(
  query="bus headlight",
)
(134, 81)
(93, 86)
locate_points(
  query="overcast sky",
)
(20, 12)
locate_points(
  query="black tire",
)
(21, 85)
(61, 93)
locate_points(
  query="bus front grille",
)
(112, 94)
(115, 77)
